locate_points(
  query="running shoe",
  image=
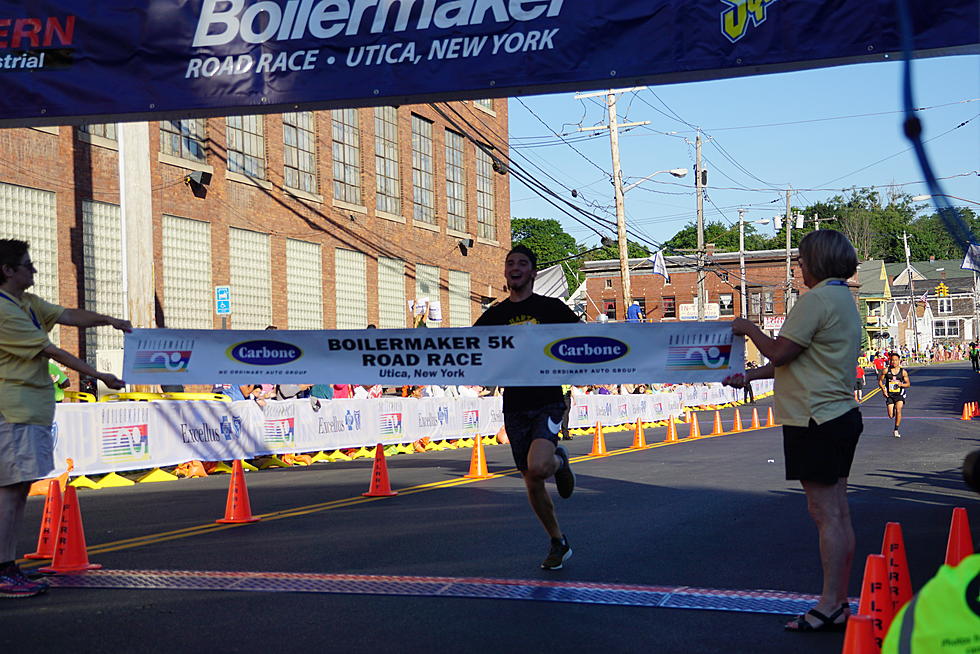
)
(564, 477)
(896, 434)
(559, 553)
(13, 583)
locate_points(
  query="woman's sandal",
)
(827, 622)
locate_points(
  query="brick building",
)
(331, 219)
(765, 288)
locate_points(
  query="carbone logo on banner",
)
(264, 353)
(390, 424)
(586, 349)
(124, 443)
(280, 432)
(471, 421)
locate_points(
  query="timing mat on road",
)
(673, 597)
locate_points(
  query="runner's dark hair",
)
(526, 251)
(11, 253)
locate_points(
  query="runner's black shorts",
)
(892, 398)
(822, 453)
(525, 426)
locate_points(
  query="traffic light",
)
(942, 290)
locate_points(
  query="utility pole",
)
(700, 179)
(788, 222)
(617, 181)
(915, 318)
(741, 259)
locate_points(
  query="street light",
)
(676, 172)
(741, 253)
(927, 196)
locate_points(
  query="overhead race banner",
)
(526, 355)
(64, 61)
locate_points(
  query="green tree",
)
(548, 239)
(928, 236)
(725, 237)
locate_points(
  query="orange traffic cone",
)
(42, 486)
(770, 419)
(859, 636)
(70, 552)
(695, 427)
(238, 509)
(380, 487)
(49, 523)
(875, 600)
(478, 462)
(976, 408)
(639, 438)
(899, 581)
(755, 418)
(960, 543)
(598, 442)
(738, 422)
(671, 432)
(717, 429)
(967, 412)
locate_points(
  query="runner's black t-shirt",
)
(536, 310)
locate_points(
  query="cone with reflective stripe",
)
(49, 523)
(967, 412)
(859, 637)
(598, 442)
(695, 427)
(671, 432)
(238, 508)
(738, 422)
(960, 543)
(875, 600)
(899, 582)
(639, 438)
(70, 551)
(478, 462)
(755, 418)
(770, 419)
(717, 429)
(380, 486)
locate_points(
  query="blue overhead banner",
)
(66, 61)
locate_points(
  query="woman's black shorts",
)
(822, 453)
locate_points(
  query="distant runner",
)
(893, 382)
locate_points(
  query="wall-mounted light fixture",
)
(464, 245)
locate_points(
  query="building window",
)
(422, 193)
(351, 275)
(485, 216)
(304, 296)
(455, 182)
(755, 302)
(246, 146)
(101, 244)
(183, 138)
(251, 279)
(484, 103)
(105, 130)
(346, 156)
(299, 151)
(670, 306)
(391, 293)
(386, 160)
(723, 276)
(946, 329)
(945, 305)
(459, 299)
(725, 302)
(609, 283)
(767, 302)
(426, 283)
(609, 308)
(187, 291)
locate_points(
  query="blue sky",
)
(811, 156)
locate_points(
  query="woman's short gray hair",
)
(828, 253)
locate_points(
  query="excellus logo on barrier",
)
(586, 349)
(264, 353)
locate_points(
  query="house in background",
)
(874, 297)
(949, 292)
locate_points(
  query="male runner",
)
(893, 382)
(533, 414)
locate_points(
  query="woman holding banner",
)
(812, 361)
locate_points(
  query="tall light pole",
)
(700, 180)
(915, 317)
(788, 221)
(741, 256)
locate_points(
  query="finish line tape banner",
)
(115, 436)
(65, 61)
(526, 355)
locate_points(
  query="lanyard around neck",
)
(30, 312)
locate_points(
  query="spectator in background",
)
(859, 383)
(322, 391)
(292, 391)
(342, 391)
(634, 313)
(879, 362)
(974, 353)
(59, 379)
(233, 391)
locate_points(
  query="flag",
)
(659, 265)
(972, 259)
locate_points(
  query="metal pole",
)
(699, 183)
(741, 258)
(915, 319)
(788, 221)
(624, 271)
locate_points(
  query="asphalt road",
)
(713, 514)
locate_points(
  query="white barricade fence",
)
(116, 436)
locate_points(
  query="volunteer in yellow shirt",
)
(812, 361)
(27, 399)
